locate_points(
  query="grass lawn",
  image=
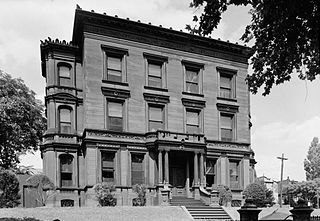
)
(99, 213)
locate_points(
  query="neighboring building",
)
(130, 103)
(271, 185)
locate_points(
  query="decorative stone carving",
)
(221, 145)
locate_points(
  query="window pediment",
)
(115, 93)
(156, 98)
(227, 107)
(200, 104)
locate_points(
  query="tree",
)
(21, 120)
(9, 189)
(259, 193)
(286, 35)
(312, 163)
(42, 184)
(307, 190)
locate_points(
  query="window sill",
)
(156, 88)
(116, 82)
(192, 94)
(227, 99)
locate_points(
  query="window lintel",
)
(226, 71)
(155, 58)
(112, 50)
(192, 64)
(227, 108)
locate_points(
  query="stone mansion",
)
(131, 103)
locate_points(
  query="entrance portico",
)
(181, 170)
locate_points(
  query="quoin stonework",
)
(131, 103)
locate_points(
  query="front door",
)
(177, 173)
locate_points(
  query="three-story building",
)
(131, 103)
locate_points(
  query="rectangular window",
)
(193, 124)
(226, 86)
(65, 121)
(115, 116)
(210, 172)
(192, 80)
(156, 118)
(155, 75)
(234, 174)
(107, 161)
(66, 170)
(64, 72)
(114, 68)
(226, 127)
(137, 169)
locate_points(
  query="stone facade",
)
(130, 103)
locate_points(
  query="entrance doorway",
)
(179, 172)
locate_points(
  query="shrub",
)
(140, 189)
(259, 193)
(9, 190)
(104, 194)
(225, 195)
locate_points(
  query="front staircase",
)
(199, 210)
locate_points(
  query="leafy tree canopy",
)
(9, 189)
(259, 193)
(21, 120)
(306, 190)
(286, 35)
(312, 163)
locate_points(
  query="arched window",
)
(66, 170)
(65, 120)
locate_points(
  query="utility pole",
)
(281, 179)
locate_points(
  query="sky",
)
(283, 122)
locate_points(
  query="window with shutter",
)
(137, 169)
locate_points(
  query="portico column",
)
(201, 170)
(166, 166)
(160, 167)
(195, 169)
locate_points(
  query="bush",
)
(104, 194)
(225, 195)
(9, 190)
(140, 189)
(259, 193)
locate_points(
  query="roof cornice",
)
(105, 25)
